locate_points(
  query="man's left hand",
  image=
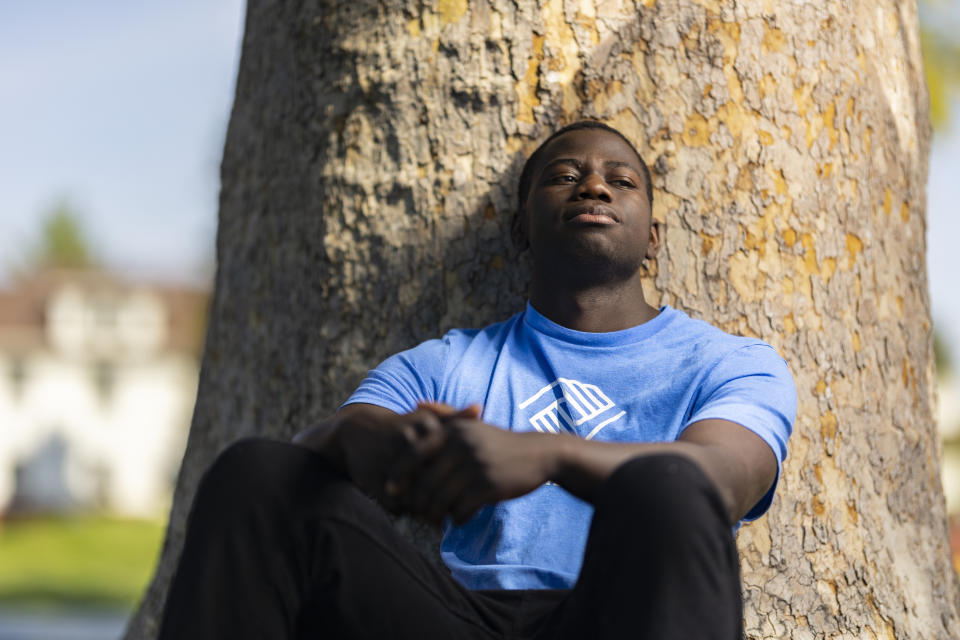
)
(477, 464)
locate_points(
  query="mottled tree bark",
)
(368, 191)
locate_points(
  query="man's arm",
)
(378, 448)
(479, 464)
(741, 465)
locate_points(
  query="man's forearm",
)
(323, 438)
(738, 462)
(582, 466)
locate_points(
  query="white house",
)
(97, 384)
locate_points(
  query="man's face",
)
(588, 205)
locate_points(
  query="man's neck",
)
(597, 309)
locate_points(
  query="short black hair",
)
(527, 174)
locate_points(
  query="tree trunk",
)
(369, 186)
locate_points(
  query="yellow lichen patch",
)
(828, 268)
(647, 3)
(904, 212)
(854, 246)
(779, 182)
(856, 341)
(790, 237)
(899, 305)
(824, 170)
(887, 201)
(696, 131)
(765, 137)
(602, 92)
(527, 87)
(828, 119)
(801, 97)
(707, 244)
(867, 134)
(821, 387)
(850, 107)
(451, 10)
(744, 182)
(768, 85)
(789, 325)
(744, 275)
(809, 255)
(513, 144)
(588, 20)
(731, 114)
(413, 27)
(788, 286)
(828, 425)
(729, 35)
(773, 39)
(852, 512)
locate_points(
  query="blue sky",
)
(120, 108)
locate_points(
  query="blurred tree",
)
(62, 242)
(940, 41)
(369, 181)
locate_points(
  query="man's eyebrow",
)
(573, 161)
(614, 164)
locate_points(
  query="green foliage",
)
(941, 355)
(81, 561)
(941, 59)
(62, 241)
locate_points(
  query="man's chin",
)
(585, 265)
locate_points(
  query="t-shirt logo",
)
(577, 404)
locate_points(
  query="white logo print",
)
(579, 403)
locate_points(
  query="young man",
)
(586, 458)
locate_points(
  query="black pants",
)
(278, 546)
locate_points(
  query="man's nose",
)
(593, 186)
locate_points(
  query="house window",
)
(17, 373)
(104, 379)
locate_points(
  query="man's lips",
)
(594, 214)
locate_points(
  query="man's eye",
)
(565, 178)
(622, 182)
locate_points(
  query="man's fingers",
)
(446, 496)
(432, 478)
(445, 411)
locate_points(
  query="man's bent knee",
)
(665, 491)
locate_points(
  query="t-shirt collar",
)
(536, 321)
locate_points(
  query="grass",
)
(83, 561)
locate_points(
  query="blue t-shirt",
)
(643, 384)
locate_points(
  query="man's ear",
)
(653, 245)
(518, 230)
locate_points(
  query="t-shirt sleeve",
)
(406, 378)
(752, 387)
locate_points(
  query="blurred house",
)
(948, 421)
(97, 384)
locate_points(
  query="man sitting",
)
(587, 458)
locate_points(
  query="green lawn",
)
(76, 562)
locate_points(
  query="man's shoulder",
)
(461, 338)
(711, 343)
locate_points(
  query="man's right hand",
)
(375, 447)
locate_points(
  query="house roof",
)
(23, 306)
